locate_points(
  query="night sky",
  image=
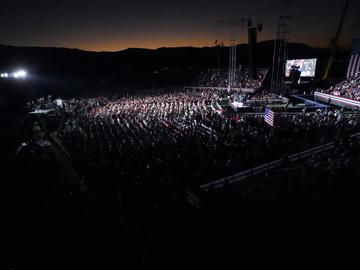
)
(112, 25)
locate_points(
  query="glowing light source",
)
(19, 74)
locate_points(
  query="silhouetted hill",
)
(72, 69)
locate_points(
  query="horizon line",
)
(157, 48)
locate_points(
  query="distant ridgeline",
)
(72, 71)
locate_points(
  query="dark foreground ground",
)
(48, 225)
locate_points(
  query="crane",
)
(334, 41)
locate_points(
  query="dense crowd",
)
(348, 89)
(135, 157)
(179, 139)
(264, 95)
(220, 78)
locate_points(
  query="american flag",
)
(354, 65)
(269, 116)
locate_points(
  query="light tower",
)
(281, 41)
(233, 25)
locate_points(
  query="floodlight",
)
(22, 73)
(4, 75)
(16, 75)
(19, 74)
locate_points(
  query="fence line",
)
(268, 166)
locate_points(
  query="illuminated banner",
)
(354, 65)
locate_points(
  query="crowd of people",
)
(137, 155)
(349, 88)
(220, 77)
(265, 95)
(177, 140)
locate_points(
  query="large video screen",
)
(306, 66)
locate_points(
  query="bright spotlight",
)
(19, 74)
(22, 73)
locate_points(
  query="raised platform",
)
(338, 101)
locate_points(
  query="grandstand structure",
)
(345, 94)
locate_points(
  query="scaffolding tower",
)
(281, 43)
(233, 25)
